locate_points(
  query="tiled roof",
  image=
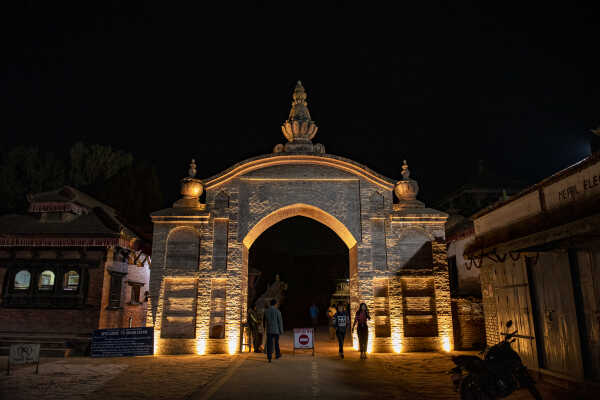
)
(96, 222)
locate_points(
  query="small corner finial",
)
(192, 170)
(405, 171)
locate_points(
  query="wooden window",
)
(22, 280)
(37, 285)
(135, 292)
(46, 280)
(116, 280)
(71, 281)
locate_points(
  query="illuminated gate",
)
(199, 276)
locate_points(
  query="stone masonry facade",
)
(397, 253)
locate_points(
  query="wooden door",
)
(514, 304)
(588, 264)
(556, 317)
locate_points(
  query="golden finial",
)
(299, 95)
(299, 109)
(405, 171)
(192, 170)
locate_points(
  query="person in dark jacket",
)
(330, 313)
(253, 324)
(360, 320)
(274, 326)
(264, 328)
(340, 321)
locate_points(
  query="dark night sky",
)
(441, 85)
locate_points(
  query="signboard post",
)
(123, 342)
(24, 353)
(304, 338)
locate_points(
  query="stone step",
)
(50, 345)
(44, 352)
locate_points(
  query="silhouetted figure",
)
(264, 328)
(314, 314)
(360, 320)
(341, 323)
(330, 313)
(274, 325)
(253, 324)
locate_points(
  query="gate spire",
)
(299, 129)
(299, 111)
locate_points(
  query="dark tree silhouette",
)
(26, 170)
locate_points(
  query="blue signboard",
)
(123, 342)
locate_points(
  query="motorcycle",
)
(497, 375)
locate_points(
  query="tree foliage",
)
(106, 174)
(94, 163)
(26, 170)
(134, 191)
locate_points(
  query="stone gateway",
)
(397, 253)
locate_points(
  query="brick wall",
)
(61, 321)
(489, 306)
(468, 322)
(93, 314)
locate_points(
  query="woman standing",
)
(361, 318)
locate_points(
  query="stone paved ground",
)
(382, 376)
(132, 378)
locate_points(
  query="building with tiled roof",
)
(69, 266)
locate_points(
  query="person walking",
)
(314, 314)
(253, 324)
(274, 325)
(330, 313)
(264, 328)
(360, 320)
(349, 321)
(341, 322)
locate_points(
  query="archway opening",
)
(310, 258)
(313, 252)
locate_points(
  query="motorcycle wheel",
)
(534, 392)
(470, 390)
